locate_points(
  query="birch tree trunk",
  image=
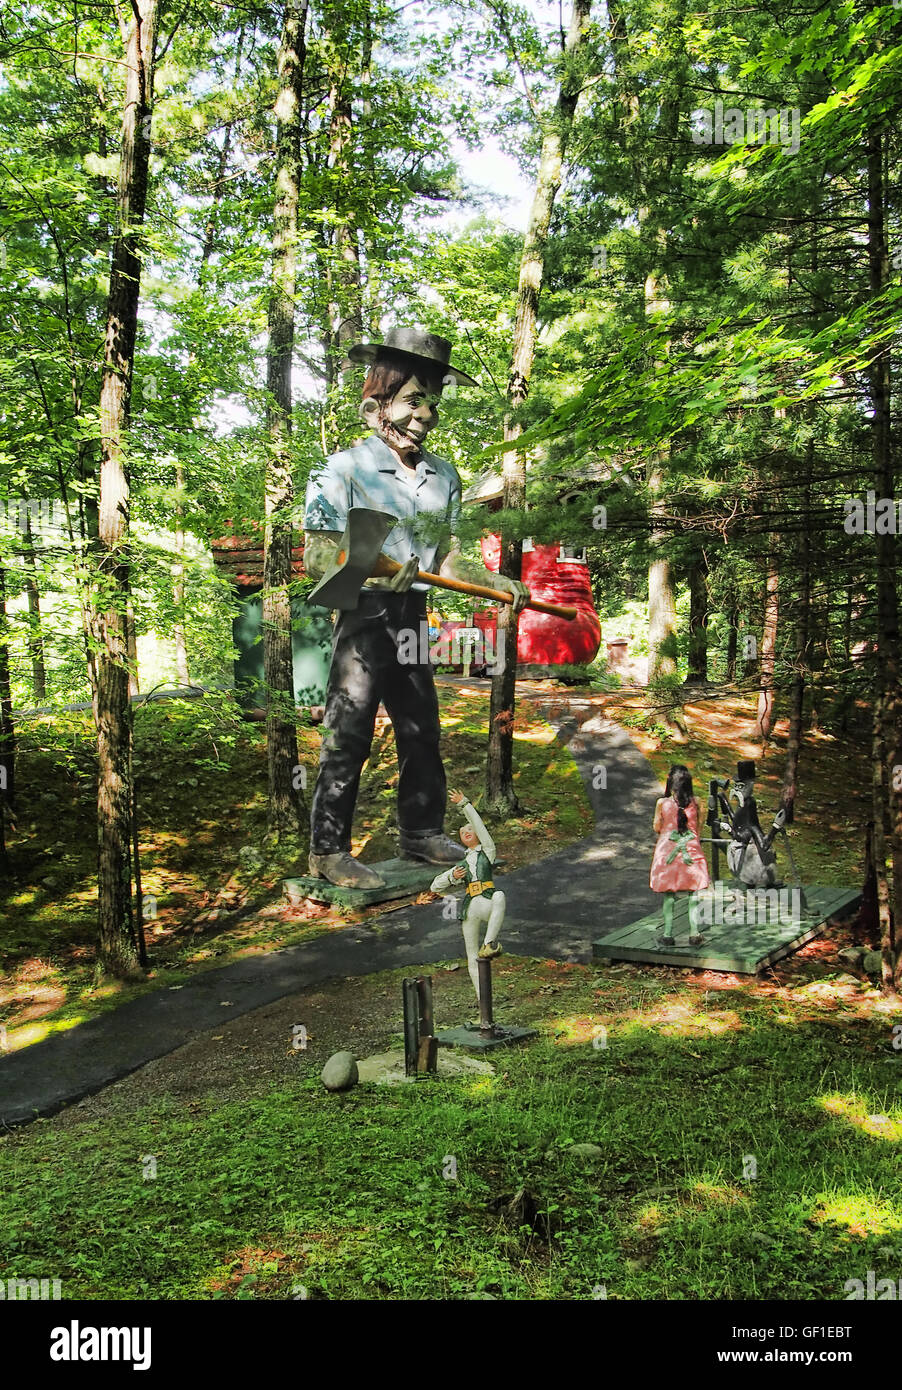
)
(285, 804)
(178, 581)
(7, 729)
(501, 799)
(764, 720)
(112, 711)
(35, 634)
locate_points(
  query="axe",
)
(359, 558)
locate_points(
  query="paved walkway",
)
(556, 908)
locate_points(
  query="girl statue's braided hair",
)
(679, 786)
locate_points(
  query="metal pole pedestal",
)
(488, 1033)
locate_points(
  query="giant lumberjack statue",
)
(389, 472)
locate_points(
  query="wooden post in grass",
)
(428, 1049)
(420, 1043)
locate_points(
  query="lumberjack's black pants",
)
(365, 669)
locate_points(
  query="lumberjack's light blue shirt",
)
(426, 504)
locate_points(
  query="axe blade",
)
(360, 547)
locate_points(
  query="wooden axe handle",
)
(385, 566)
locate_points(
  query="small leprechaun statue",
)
(483, 902)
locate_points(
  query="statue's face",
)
(468, 836)
(407, 419)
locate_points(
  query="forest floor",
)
(217, 883)
(743, 1132)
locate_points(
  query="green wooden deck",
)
(742, 947)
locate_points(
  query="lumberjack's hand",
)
(320, 551)
(512, 586)
(401, 582)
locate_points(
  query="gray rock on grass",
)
(340, 1072)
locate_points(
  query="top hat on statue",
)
(427, 348)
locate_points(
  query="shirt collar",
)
(387, 460)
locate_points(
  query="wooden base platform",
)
(742, 932)
(403, 877)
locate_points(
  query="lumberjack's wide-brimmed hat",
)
(427, 348)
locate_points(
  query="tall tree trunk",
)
(732, 640)
(800, 669)
(112, 711)
(662, 635)
(178, 581)
(764, 721)
(340, 259)
(697, 671)
(888, 702)
(7, 728)
(134, 681)
(501, 799)
(651, 162)
(663, 645)
(35, 633)
(847, 625)
(285, 804)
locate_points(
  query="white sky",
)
(490, 170)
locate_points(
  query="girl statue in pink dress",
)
(679, 864)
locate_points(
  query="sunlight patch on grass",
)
(577, 1029)
(862, 1216)
(108, 990)
(650, 1218)
(36, 1032)
(682, 1021)
(703, 1193)
(854, 1111)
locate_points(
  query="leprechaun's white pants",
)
(481, 909)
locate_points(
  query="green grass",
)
(288, 1189)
